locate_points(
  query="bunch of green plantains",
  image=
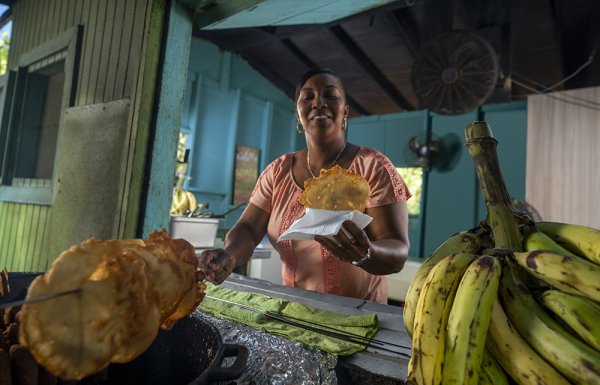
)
(512, 301)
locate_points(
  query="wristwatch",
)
(362, 260)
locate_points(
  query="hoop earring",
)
(345, 125)
(299, 127)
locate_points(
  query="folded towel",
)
(364, 325)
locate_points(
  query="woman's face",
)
(321, 104)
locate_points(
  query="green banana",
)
(573, 358)
(491, 372)
(470, 241)
(484, 379)
(538, 240)
(565, 272)
(180, 202)
(581, 240)
(433, 307)
(192, 203)
(469, 320)
(581, 314)
(515, 355)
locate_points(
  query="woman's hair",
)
(310, 73)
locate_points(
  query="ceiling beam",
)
(278, 81)
(493, 23)
(437, 18)
(560, 37)
(355, 51)
(255, 13)
(310, 64)
(236, 41)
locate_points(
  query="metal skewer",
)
(335, 333)
(40, 298)
(367, 339)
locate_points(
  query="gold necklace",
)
(332, 163)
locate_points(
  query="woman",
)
(352, 266)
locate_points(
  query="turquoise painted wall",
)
(451, 199)
(451, 194)
(390, 134)
(163, 155)
(454, 199)
(228, 103)
(509, 126)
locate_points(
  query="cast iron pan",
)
(191, 353)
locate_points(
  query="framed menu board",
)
(245, 173)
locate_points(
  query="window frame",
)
(38, 191)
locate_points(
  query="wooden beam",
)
(405, 24)
(493, 23)
(310, 64)
(236, 40)
(370, 67)
(277, 80)
(253, 13)
(437, 18)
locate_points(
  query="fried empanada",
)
(336, 189)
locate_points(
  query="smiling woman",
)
(354, 263)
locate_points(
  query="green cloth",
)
(364, 325)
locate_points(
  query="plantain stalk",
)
(500, 211)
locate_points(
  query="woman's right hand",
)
(240, 242)
(217, 264)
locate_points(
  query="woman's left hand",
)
(351, 243)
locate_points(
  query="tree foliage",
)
(4, 45)
(413, 176)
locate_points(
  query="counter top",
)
(387, 366)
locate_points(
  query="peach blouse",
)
(305, 263)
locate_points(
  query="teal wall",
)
(390, 134)
(163, 158)
(228, 103)
(451, 199)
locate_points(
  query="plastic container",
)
(200, 232)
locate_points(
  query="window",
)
(36, 95)
(413, 176)
(36, 147)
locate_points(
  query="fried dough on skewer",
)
(142, 309)
(183, 254)
(82, 332)
(129, 288)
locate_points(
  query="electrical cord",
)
(564, 97)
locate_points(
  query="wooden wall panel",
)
(22, 229)
(89, 9)
(563, 161)
(112, 42)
